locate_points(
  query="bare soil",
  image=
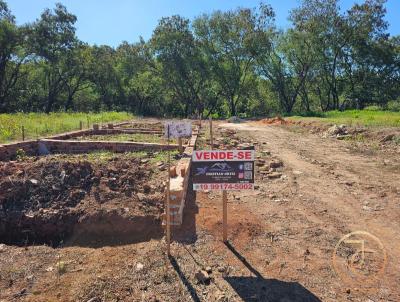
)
(311, 191)
(54, 199)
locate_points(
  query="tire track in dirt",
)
(329, 194)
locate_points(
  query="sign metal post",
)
(224, 194)
(224, 216)
(168, 199)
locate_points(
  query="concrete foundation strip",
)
(62, 143)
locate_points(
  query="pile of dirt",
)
(274, 121)
(47, 200)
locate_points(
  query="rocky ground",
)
(311, 190)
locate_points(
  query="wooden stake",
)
(80, 125)
(23, 133)
(168, 200)
(224, 216)
(211, 134)
(200, 120)
(180, 145)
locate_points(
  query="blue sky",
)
(113, 21)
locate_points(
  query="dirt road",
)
(325, 192)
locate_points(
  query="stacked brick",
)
(9, 151)
(180, 182)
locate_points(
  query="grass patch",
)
(203, 140)
(41, 124)
(368, 118)
(124, 137)
(358, 138)
(106, 156)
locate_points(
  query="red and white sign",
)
(223, 170)
(223, 155)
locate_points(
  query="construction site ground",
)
(310, 192)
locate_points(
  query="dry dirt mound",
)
(274, 121)
(47, 200)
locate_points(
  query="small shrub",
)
(20, 154)
(394, 106)
(359, 137)
(61, 267)
(373, 108)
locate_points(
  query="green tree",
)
(75, 75)
(105, 78)
(370, 63)
(12, 56)
(230, 42)
(51, 39)
(180, 63)
(326, 28)
(287, 67)
(142, 86)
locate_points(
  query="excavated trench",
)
(99, 229)
(57, 201)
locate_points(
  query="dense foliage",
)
(224, 63)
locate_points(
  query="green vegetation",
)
(20, 154)
(136, 137)
(41, 124)
(369, 118)
(221, 63)
(105, 156)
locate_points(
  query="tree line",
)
(225, 63)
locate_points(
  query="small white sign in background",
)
(178, 129)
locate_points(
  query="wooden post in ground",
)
(80, 125)
(211, 134)
(180, 145)
(199, 121)
(23, 133)
(167, 211)
(224, 216)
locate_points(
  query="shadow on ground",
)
(185, 281)
(258, 288)
(186, 233)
